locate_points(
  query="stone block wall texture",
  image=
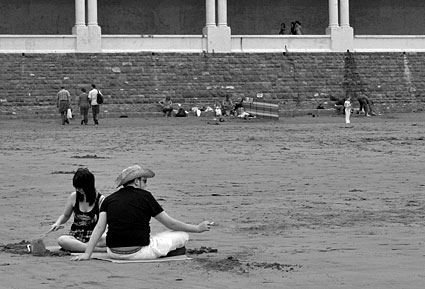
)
(133, 83)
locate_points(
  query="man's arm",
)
(177, 225)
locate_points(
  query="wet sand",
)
(299, 203)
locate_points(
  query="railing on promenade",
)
(389, 43)
(154, 43)
(198, 43)
(280, 43)
(38, 43)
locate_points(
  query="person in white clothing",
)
(93, 101)
(347, 108)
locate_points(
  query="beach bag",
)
(69, 113)
(99, 97)
(181, 113)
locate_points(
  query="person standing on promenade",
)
(63, 102)
(298, 29)
(84, 104)
(292, 31)
(282, 29)
(95, 107)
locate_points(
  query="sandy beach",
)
(298, 203)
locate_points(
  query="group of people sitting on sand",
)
(228, 108)
(225, 107)
(119, 224)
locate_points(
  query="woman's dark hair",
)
(84, 179)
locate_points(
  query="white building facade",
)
(215, 37)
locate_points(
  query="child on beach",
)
(347, 107)
(84, 203)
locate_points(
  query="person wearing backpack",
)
(95, 106)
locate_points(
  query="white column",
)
(94, 41)
(210, 13)
(92, 12)
(342, 36)
(88, 37)
(222, 12)
(218, 38)
(80, 12)
(333, 13)
(345, 13)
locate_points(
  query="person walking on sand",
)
(63, 102)
(128, 212)
(95, 107)
(84, 203)
(347, 109)
(84, 104)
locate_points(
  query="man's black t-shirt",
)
(128, 212)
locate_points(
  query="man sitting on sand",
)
(227, 106)
(127, 213)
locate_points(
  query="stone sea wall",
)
(134, 83)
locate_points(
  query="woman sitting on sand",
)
(85, 204)
(128, 212)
